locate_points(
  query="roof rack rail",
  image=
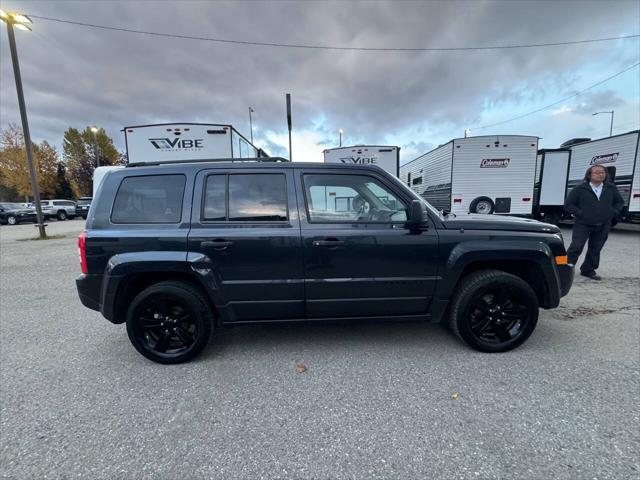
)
(210, 160)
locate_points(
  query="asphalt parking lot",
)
(377, 401)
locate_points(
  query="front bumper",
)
(565, 274)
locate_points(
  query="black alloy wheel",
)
(169, 322)
(494, 311)
(497, 316)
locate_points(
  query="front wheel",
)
(493, 311)
(169, 322)
(11, 220)
(62, 215)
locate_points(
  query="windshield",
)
(11, 206)
(84, 201)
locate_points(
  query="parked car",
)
(60, 209)
(82, 207)
(179, 250)
(15, 213)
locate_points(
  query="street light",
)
(94, 129)
(251, 110)
(609, 112)
(20, 22)
(340, 132)
(466, 132)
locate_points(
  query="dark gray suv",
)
(179, 250)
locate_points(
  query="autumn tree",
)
(14, 170)
(83, 152)
(63, 187)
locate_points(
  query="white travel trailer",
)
(186, 141)
(619, 155)
(550, 187)
(386, 157)
(485, 174)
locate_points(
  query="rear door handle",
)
(216, 244)
(329, 242)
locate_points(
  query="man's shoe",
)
(591, 275)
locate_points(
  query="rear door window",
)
(149, 199)
(251, 197)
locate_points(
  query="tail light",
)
(82, 251)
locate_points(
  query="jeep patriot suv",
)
(177, 250)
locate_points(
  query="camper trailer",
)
(170, 142)
(619, 155)
(484, 174)
(550, 187)
(386, 157)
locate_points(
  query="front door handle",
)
(216, 244)
(329, 242)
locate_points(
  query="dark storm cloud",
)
(75, 76)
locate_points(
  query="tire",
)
(62, 215)
(167, 306)
(11, 220)
(482, 205)
(476, 321)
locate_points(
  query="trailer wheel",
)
(482, 205)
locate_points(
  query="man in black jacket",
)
(594, 204)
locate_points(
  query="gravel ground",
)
(377, 401)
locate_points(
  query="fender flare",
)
(196, 265)
(465, 253)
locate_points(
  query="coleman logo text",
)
(360, 160)
(167, 144)
(495, 163)
(608, 158)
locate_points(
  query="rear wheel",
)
(62, 215)
(482, 205)
(493, 311)
(169, 322)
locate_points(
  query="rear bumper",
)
(565, 275)
(89, 290)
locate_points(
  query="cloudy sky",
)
(77, 76)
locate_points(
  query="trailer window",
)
(417, 181)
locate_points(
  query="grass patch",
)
(49, 237)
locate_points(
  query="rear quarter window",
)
(149, 199)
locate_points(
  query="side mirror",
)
(417, 218)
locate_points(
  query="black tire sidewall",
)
(474, 205)
(191, 297)
(460, 311)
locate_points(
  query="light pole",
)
(466, 132)
(19, 21)
(340, 132)
(609, 112)
(251, 110)
(94, 129)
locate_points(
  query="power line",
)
(327, 47)
(559, 101)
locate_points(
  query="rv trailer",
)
(618, 154)
(484, 174)
(170, 142)
(386, 157)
